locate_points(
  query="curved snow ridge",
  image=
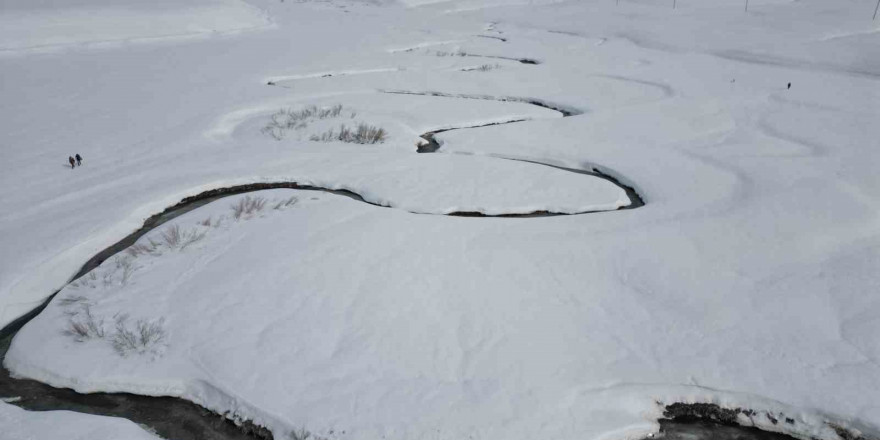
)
(598, 196)
(665, 89)
(226, 124)
(849, 34)
(423, 46)
(591, 169)
(521, 60)
(597, 41)
(492, 37)
(563, 109)
(770, 60)
(432, 145)
(331, 73)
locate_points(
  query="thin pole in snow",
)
(875, 10)
(673, 4)
(747, 5)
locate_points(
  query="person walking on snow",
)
(72, 162)
(79, 159)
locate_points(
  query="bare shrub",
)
(274, 129)
(84, 326)
(368, 134)
(126, 265)
(206, 222)
(281, 204)
(456, 53)
(304, 434)
(71, 300)
(139, 249)
(172, 236)
(289, 119)
(144, 337)
(247, 206)
(482, 68)
(192, 237)
(362, 134)
(85, 281)
(175, 238)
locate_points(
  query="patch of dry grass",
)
(281, 204)
(176, 238)
(288, 119)
(362, 134)
(143, 337)
(84, 325)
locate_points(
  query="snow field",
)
(42, 26)
(745, 281)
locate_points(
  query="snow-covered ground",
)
(748, 279)
(48, 25)
(19, 424)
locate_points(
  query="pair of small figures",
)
(75, 160)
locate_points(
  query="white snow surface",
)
(42, 25)
(748, 279)
(19, 424)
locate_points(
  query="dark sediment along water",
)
(700, 429)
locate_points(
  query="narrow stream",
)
(179, 419)
(635, 200)
(432, 146)
(169, 417)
